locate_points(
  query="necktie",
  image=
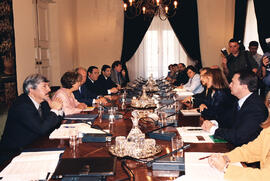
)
(40, 111)
(238, 107)
(118, 75)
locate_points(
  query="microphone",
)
(171, 124)
(161, 136)
(99, 128)
(149, 163)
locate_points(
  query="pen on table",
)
(69, 126)
(48, 174)
(195, 129)
(202, 158)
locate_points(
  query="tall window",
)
(158, 50)
(251, 32)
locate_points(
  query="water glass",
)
(162, 118)
(111, 127)
(100, 109)
(149, 145)
(120, 143)
(177, 143)
(73, 138)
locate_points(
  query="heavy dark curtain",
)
(240, 19)
(185, 26)
(8, 90)
(263, 21)
(134, 31)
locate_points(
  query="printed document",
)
(32, 166)
(194, 135)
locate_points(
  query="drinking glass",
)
(100, 109)
(73, 138)
(120, 143)
(177, 143)
(149, 145)
(162, 118)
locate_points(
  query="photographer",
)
(266, 65)
(237, 60)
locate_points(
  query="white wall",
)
(99, 31)
(216, 21)
(24, 40)
(62, 31)
(62, 38)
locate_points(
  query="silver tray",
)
(145, 107)
(146, 155)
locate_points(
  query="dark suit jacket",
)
(24, 125)
(181, 78)
(84, 95)
(218, 106)
(105, 84)
(246, 122)
(199, 98)
(93, 88)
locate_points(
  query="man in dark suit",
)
(181, 77)
(92, 86)
(105, 82)
(247, 114)
(83, 94)
(32, 115)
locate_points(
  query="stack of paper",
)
(190, 112)
(194, 135)
(32, 166)
(66, 129)
(196, 169)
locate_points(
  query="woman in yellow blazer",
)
(257, 150)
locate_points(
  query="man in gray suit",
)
(117, 74)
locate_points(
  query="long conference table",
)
(121, 127)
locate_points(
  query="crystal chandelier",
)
(150, 8)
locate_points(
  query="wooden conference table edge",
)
(122, 127)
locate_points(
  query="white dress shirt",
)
(240, 104)
(57, 112)
(194, 84)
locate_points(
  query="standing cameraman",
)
(237, 60)
(266, 65)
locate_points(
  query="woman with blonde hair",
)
(257, 150)
(215, 106)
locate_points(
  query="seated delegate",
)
(216, 105)
(257, 150)
(194, 84)
(244, 120)
(70, 82)
(196, 100)
(32, 115)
